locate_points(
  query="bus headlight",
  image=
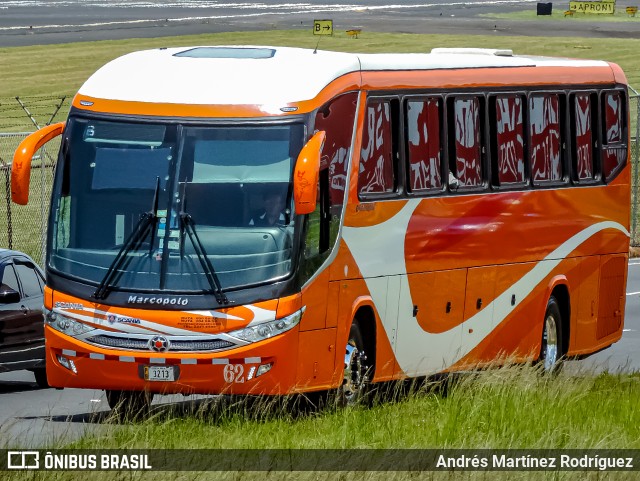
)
(265, 330)
(65, 324)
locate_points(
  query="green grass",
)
(43, 74)
(61, 69)
(511, 408)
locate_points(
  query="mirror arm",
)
(21, 167)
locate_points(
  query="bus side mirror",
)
(21, 167)
(306, 174)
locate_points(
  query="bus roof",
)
(228, 75)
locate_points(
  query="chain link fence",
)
(24, 227)
(634, 111)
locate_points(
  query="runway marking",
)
(628, 330)
(637, 263)
(633, 293)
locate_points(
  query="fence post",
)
(7, 181)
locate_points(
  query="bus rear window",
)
(614, 148)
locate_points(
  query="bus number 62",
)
(233, 373)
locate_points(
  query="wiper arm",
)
(187, 222)
(134, 241)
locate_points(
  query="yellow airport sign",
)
(323, 27)
(608, 8)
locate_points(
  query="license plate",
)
(159, 373)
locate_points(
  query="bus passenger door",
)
(430, 321)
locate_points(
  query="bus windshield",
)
(151, 206)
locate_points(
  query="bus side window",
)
(583, 136)
(507, 140)
(336, 119)
(377, 174)
(465, 138)
(545, 136)
(614, 146)
(424, 144)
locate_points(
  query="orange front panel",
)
(315, 297)
(232, 372)
(316, 359)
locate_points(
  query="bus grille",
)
(183, 345)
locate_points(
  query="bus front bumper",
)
(264, 368)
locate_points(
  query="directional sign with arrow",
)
(323, 27)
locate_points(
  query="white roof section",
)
(244, 75)
(290, 75)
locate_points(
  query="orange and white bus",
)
(435, 212)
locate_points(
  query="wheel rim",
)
(353, 374)
(550, 340)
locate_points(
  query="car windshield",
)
(143, 206)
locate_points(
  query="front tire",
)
(550, 358)
(129, 405)
(357, 371)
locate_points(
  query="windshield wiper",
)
(146, 223)
(187, 222)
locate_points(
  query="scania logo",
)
(159, 344)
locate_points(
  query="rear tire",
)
(129, 405)
(550, 358)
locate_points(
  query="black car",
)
(21, 319)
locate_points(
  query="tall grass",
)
(507, 408)
(512, 407)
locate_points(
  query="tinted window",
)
(376, 159)
(337, 119)
(467, 165)
(9, 278)
(582, 124)
(424, 145)
(544, 132)
(508, 150)
(29, 280)
(614, 145)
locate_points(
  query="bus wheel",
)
(129, 405)
(356, 369)
(551, 349)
